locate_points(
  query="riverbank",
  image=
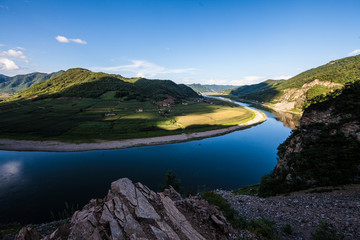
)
(57, 146)
(304, 210)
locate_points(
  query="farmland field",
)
(109, 118)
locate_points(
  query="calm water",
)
(34, 183)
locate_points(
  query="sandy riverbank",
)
(57, 146)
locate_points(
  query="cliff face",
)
(132, 211)
(324, 150)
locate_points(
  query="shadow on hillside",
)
(262, 92)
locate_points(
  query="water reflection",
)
(9, 171)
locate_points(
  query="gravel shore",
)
(304, 210)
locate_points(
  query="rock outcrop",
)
(324, 150)
(133, 211)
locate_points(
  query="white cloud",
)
(11, 53)
(8, 58)
(144, 69)
(7, 64)
(63, 39)
(355, 52)
(2, 45)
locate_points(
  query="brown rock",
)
(133, 211)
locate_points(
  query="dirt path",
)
(57, 146)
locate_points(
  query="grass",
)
(7, 229)
(252, 190)
(262, 227)
(326, 231)
(229, 213)
(75, 119)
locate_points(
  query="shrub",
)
(326, 231)
(287, 229)
(229, 213)
(264, 227)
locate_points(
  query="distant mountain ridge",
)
(78, 82)
(203, 88)
(298, 92)
(19, 83)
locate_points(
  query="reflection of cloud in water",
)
(9, 171)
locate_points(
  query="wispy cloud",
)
(2, 45)
(63, 39)
(355, 52)
(11, 53)
(143, 68)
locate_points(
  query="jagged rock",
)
(133, 211)
(28, 234)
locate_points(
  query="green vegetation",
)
(229, 213)
(287, 229)
(66, 213)
(9, 229)
(326, 231)
(337, 162)
(252, 190)
(207, 88)
(173, 181)
(340, 71)
(80, 105)
(264, 228)
(261, 92)
(19, 83)
(79, 82)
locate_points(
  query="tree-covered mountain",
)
(206, 88)
(324, 151)
(297, 92)
(79, 82)
(19, 83)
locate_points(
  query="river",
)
(34, 184)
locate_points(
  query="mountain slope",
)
(324, 150)
(82, 106)
(297, 92)
(19, 83)
(204, 88)
(79, 82)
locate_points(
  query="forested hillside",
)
(298, 92)
(324, 151)
(19, 83)
(79, 82)
(206, 88)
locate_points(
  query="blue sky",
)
(222, 42)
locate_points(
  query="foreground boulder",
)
(133, 211)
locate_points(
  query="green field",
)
(74, 119)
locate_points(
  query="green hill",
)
(206, 88)
(297, 92)
(19, 83)
(82, 106)
(79, 82)
(324, 150)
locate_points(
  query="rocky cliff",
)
(324, 150)
(132, 211)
